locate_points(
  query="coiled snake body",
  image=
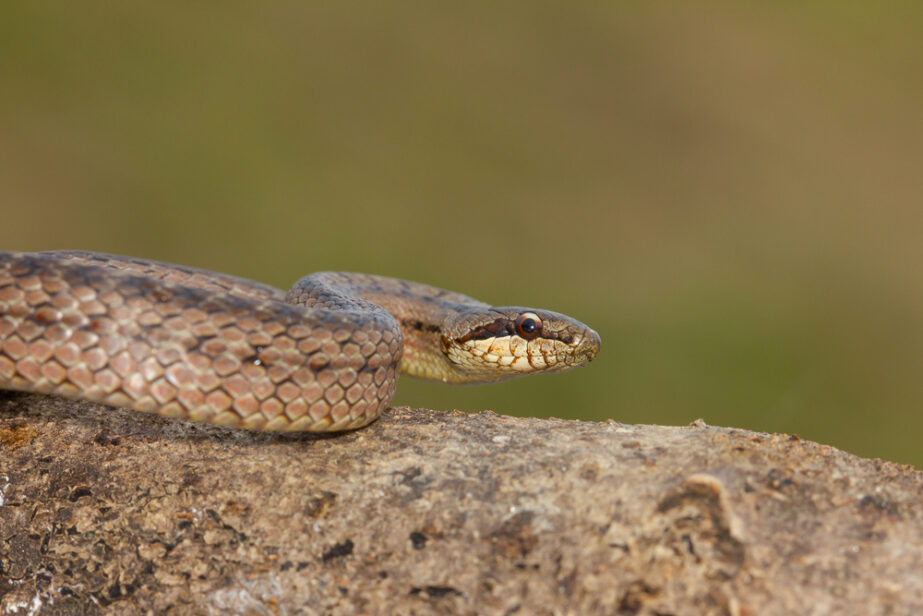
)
(198, 345)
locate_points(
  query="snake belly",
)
(203, 346)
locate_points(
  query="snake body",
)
(199, 345)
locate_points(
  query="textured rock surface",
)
(107, 511)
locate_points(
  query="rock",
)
(424, 512)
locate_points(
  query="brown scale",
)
(193, 344)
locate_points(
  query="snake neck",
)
(422, 311)
(422, 323)
(423, 356)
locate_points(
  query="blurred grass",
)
(730, 193)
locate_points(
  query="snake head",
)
(495, 344)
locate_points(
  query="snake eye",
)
(528, 325)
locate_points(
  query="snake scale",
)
(199, 345)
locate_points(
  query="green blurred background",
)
(730, 193)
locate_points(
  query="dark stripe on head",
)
(495, 329)
(421, 326)
(507, 327)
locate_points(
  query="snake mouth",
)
(504, 357)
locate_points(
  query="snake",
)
(198, 345)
